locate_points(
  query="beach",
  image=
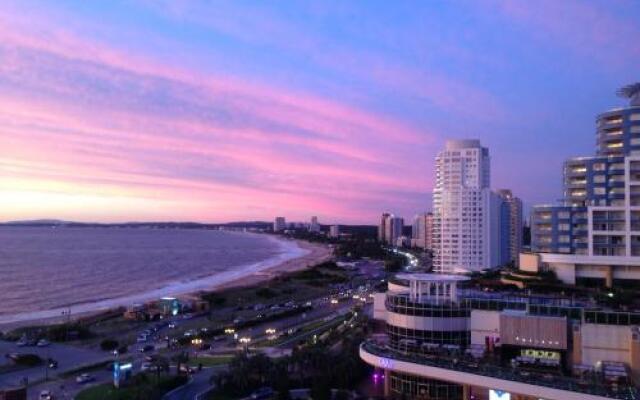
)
(296, 255)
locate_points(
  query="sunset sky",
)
(218, 111)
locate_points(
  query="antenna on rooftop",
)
(631, 92)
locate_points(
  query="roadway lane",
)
(68, 357)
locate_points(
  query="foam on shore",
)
(289, 250)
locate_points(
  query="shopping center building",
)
(442, 339)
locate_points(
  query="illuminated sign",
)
(499, 395)
(541, 354)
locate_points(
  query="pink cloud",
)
(593, 31)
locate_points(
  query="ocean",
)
(45, 271)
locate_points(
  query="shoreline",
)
(296, 255)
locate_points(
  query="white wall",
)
(379, 309)
(605, 343)
(484, 323)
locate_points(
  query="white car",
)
(43, 343)
(84, 378)
(46, 395)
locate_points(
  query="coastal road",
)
(68, 357)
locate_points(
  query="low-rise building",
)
(446, 341)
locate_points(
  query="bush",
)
(266, 293)
(109, 344)
(27, 360)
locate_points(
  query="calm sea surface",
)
(52, 268)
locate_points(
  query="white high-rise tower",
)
(466, 213)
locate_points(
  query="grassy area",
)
(208, 361)
(141, 387)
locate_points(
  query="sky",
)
(217, 111)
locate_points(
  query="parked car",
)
(148, 367)
(46, 395)
(184, 368)
(53, 364)
(85, 378)
(172, 325)
(43, 343)
(142, 338)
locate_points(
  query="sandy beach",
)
(316, 253)
(296, 255)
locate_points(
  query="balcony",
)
(471, 371)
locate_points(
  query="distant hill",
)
(168, 225)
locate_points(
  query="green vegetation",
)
(141, 387)
(109, 344)
(55, 333)
(326, 362)
(394, 262)
(210, 361)
(26, 360)
(360, 248)
(266, 293)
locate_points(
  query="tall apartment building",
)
(513, 205)
(314, 226)
(390, 229)
(382, 227)
(467, 215)
(279, 224)
(422, 231)
(334, 231)
(594, 234)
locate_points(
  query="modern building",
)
(422, 231)
(334, 231)
(382, 227)
(314, 226)
(279, 225)
(390, 229)
(443, 339)
(467, 215)
(513, 206)
(593, 236)
(393, 229)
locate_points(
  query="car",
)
(53, 364)
(84, 378)
(142, 338)
(150, 358)
(21, 343)
(45, 395)
(172, 325)
(43, 343)
(147, 348)
(184, 368)
(148, 367)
